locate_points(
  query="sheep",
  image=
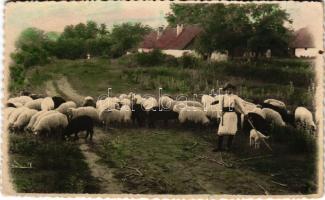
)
(36, 96)
(126, 113)
(51, 124)
(166, 102)
(23, 119)
(8, 111)
(47, 104)
(123, 96)
(193, 114)
(125, 101)
(35, 104)
(21, 99)
(156, 114)
(88, 111)
(304, 117)
(276, 103)
(57, 101)
(273, 117)
(286, 115)
(37, 117)
(213, 111)
(81, 123)
(255, 138)
(149, 103)
(178, 105)
(63, 108)
(111, 116)
(108, 103)
(137, 98)
(89, 101)
(207, 100)
(14, 115)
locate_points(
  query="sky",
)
(53, 16)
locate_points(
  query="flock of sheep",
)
(54, 116)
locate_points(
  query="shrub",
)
(189, 61)
(153, 58)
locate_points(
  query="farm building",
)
(303, 44)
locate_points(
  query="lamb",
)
(273, 117)
(57, 101)
(47, 104)
(304, 117)
(63, 108)
(255, 138)
(88, 111)
(149, 103)
(178, 105)
(35, 104)
(23, 119)
(21, 99)
(81, 123)
(166, 102)
(193, 114)
(51, 124)
(89, 101)
(276, 103)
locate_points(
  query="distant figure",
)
(88, 56)
(268, 54)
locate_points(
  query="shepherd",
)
(230, 103)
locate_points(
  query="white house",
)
(303, 44)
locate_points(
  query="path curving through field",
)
(108, 184)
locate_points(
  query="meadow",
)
(174, 159)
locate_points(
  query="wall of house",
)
(217, 56)
(309, 52)
(177, 53)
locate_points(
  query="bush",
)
(153, 58)
(17, 77)
(189, 61)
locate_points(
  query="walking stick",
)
(266, 144)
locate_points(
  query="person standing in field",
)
(230, 103)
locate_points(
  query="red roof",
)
(169, 38)
(302, 39)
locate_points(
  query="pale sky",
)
(53, 16)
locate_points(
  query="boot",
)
(229, 142)
(219, 147)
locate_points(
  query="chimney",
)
(160, 32)
(179, 29)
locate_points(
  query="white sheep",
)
(8, 111)
(179, 105)
(110, 116)
(81, 111)
(126, 113)
(305, 118)
(37, 117)
(255, 138)
(35, 104)
(125, 101)
(47, 104)
(213, 111)
(123, 96)
(23, 119)
(50, 124)
(15, 114)
(149, 103)
(207, 100)
(273, 117)
(166, 102)
(193, 114)
(21, 99)
(276, 103)
(108, 103)
(63, 108)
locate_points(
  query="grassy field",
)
(173, 159)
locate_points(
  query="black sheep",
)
(156, 114)
(139, 114)
(57, 101)
(258, 122)
(81, 123)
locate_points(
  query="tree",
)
(235, 27)
(31, 48)
(126, 36)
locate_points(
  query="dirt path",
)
(108, 184)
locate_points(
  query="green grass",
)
(174, 161)
(57, 167)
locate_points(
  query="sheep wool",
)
(207, 100)
(112, 115)
(21, 99)
(179, 105)
(47, 104)
(166, 102)
(276, 103)
(255, 138)
(55, 122)
(42, 115)
(24, 118)
(33, 119)
(273, 117)
(149, 103)
(193, 114)
(35, 104)
(304, 116)
(88, 111)
(126, 113)
(63, 108)
(15, 114)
